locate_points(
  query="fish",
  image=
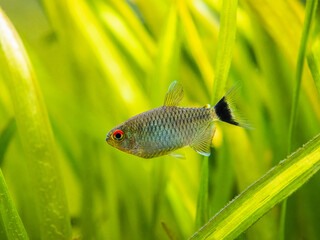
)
(163, 130)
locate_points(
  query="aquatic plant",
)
(72, 70)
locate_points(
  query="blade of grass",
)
(118, 26)
(226, 41)
(12, 225)
(279, 183)
(195, 44)
(6, 137)
(283, 21)
(314, 55)
(247, 169)
(202, 214)
(310, 12)
(151, 19)
(204, 17)
(314, 63)
(167, 60)
(36, 136)
(136, 25)
(113, 64)
(168, 231)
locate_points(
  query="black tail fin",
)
(226, 110)
(224, 113)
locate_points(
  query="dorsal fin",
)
(174, 94)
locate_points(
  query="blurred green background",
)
(101, 62)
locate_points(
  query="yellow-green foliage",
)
(70, 70)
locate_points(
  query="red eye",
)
(118, 135)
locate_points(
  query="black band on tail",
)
(224, 113)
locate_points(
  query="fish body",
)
(163, 130)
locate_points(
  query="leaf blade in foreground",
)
(5, 138)
(36, 135)
(226, 41)
(259, 198)
(11, 222)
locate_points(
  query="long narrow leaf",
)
(166, 61)
(136, 25)
(314, 63)
(202, 215)
(259, 198)
(5, 138)
(124, 34)
(310, 12)
(195, 45)
(36, 136)
(283, 21)
(11, 222)
(226, 40)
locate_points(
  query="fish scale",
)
(165, 129)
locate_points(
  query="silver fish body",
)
(163, 130)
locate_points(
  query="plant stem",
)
(51, 210)
(249, 206)
(310, 12)
(226, 39)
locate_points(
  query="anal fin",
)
(202, 142)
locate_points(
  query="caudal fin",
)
(226, 110)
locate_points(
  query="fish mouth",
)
(108, 137)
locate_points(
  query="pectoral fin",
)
(202, 142)
(174, 94)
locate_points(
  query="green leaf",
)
(314, 62)
(283, 21)
(310, 12)
(167, 59)
(12, 226)
(135, 24)
(226, 41)
(36, 136)
(6, 137)
(113, 65)
(195, 44)
(202, 202)
(92, 61)
(279, 183)
(116, 24)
